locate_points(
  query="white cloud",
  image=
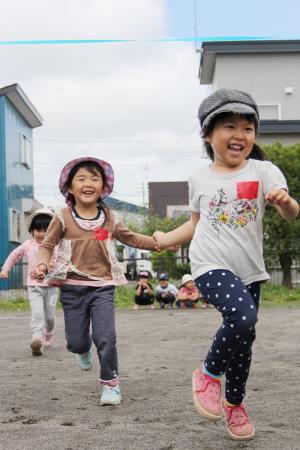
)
(133, 104)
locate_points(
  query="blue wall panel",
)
(16, 180)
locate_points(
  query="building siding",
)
(3, 188)
(265, 76)
(167, 193)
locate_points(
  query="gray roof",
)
(22, 104)
(209, 50)
(124, 206)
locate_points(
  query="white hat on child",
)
(45, 211)
(187, 277)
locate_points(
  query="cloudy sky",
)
(132, 104)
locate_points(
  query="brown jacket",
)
(80, 255)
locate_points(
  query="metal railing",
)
(15, 286)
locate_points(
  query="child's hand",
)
(173, 248)
(40, 272)
(158, 237)
(4, 274)
(278, 197)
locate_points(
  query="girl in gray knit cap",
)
(228, 201)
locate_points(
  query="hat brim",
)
(39, 212)
(231, 108)
(108, 170)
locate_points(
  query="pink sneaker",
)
(207, 395)
(48, 339)
(238, 423)
(36, 346)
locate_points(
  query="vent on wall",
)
(269, 111)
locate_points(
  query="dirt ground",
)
(48, 403)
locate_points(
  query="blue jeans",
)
(231, 349)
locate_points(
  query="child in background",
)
(166, 292)
(144, 292)
(228, 200)
(188, 294)
(87, 268)
(42, 296)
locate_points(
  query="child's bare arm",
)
(180, 235)
(286, 206)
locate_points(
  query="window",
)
(25, 151)
(15, 225)
(269, 111)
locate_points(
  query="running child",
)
(42, 296)
(228, 201)
(87, 268)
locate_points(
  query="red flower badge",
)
(100, 234)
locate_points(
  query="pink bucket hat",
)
(108, 170)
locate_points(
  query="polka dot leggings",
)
(231, 350)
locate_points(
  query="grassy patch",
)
(124, 296)
(271, 295)
(16, 304)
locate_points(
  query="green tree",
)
(165, 260)
(282, 243)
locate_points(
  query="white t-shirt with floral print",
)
(229, 234)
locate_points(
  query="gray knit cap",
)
(227, 101)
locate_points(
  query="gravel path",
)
(48, 403)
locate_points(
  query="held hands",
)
(159, 238)
(4, 274)
(40, 272)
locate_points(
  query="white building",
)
(268, 70)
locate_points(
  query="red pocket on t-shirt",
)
(247, 190)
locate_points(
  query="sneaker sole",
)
(36, 348)
(110, 404)
(234, 437)
(203, 412)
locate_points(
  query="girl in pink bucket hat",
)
(87, 269)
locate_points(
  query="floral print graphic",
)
(234, 212)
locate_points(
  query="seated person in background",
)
(144, 292)
(188, 293)
(166, 292)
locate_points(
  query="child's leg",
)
(103, 331)
(75, 303)
(236, 378)
(160, 299)
(49, 308)
(231, 297)
(36, 299)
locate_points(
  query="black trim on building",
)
(279, 126)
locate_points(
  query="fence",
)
(175, 267)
